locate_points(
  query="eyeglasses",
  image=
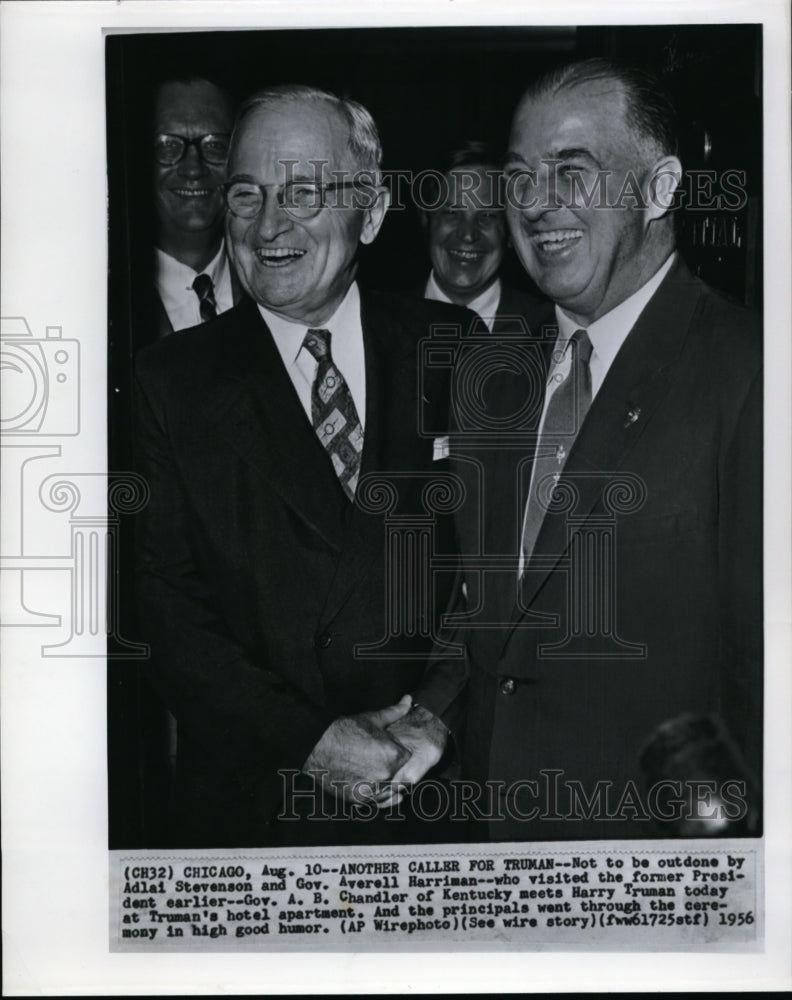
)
(170, 149)
(299, 199)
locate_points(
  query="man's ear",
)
(374, 215)
(661, 184)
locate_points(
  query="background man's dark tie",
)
(335, 418)
(565, 412)
(204, 289)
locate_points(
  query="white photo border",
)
(54, 267)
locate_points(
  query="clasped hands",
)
(377, 756)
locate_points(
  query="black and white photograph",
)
(404, 531)
(354, 583)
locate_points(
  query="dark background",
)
(428, 89)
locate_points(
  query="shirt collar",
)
(485, 305)
(609, 332)
(174, 274)
(291, 333)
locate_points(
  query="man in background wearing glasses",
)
(275, 439)
(192, 128)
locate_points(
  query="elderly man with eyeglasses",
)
(193, 119)
(288, 455)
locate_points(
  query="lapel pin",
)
(632, 415)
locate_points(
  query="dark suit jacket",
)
(665, 476)
(257, 577)
(150, 318)
(513, 304)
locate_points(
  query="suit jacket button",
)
(323, 640)
(507, 685)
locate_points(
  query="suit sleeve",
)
(203, 674)
(443, 686)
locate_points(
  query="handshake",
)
(383, 752)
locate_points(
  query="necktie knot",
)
(317, 343)
(204, 289)
(202, 286)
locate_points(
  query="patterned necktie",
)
(565, 413)
(204, 289)
(335, 418)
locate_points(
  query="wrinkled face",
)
(587, 259)
(188, 194)
(467, 234)
(298, 268)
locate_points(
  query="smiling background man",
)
(467, 241)
(636, 598)
(262, 568)
(192, 128)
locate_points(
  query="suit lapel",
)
(259, 413)
(389, 440)
(508, 467)
(163, 323)
(514, 306)
(257, 410)
(634, 387)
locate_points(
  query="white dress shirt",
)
(175, 286)
(607, 334)
(484, 305)
(346, 348)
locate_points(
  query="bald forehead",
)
(590, 118)
(599, 95)
(310, 113)
(191, 103)
(298, 128)
(604, 105)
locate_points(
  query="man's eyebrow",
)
(576, 153)
(571, 153)
(248, 178)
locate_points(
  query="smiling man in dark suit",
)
(192, 123)
(614, 464)
(264, 568)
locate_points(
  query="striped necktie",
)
(204, 289)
